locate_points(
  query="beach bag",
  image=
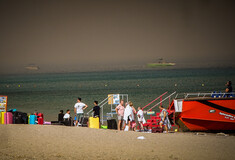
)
(84, 121)
(24, 118)
(68, 121)
(57, 123)
(94, 122)
(2, 117)
(157, 130)
(17, 119)
(40, 120)
(112, 124)
(8, 118)
(32, 119)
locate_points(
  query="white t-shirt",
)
(141, 114)
(66, 116)
(79, 107)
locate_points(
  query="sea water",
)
(49, 93)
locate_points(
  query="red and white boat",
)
(200, 112)
(205, 112)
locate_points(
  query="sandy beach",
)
(61, 142)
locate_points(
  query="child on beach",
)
(133, 123)
(140, 116)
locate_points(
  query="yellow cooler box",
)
(94, 122)
(2, 117)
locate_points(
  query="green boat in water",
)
(160, 64)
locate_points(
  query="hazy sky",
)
(65, 35)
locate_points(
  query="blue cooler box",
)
(32, 119)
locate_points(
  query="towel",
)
(128, 113)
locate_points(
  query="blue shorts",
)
(164, 122)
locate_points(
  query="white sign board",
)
(116, 99)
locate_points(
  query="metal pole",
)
(127, 98)
(102, 116)
(154, 100)
(162, 100)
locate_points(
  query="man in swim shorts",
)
(78, 110)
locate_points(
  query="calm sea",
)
(49, 93)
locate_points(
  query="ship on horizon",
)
(32, 67)
(160, 63)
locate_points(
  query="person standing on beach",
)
(78, 110)
(120, 113)
(128, 115)
(229, 88)
(96, 109)
(164, 119)
(141, 120)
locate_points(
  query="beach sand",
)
(61, 142)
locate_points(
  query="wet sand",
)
(61, 142)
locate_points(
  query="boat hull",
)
(152, 65)
(207, 114)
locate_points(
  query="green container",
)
(104, 127)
